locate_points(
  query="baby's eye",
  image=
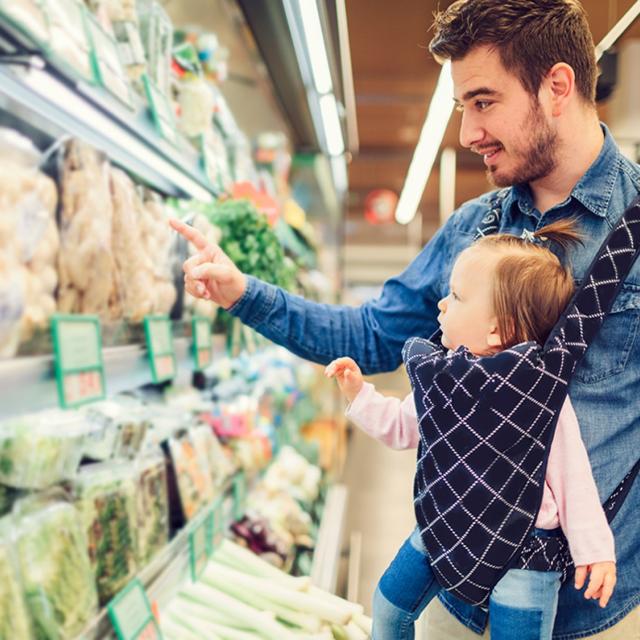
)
(454, 295)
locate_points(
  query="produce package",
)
(152, 507)
(28, 242)
(56, 575)
(28, 16)
(133, 424)
(86, 264)
(68, 38)
(208, 445)
(105, 497)
(101, 443)
(41, 449)
(157, 242)
(192, 473)
(241, 596)
(14, 617)
(156, 32)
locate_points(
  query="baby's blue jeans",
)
(522, 605)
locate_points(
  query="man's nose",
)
(470, 131)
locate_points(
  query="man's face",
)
(502, 121)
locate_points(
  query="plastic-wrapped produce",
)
(205, 442)
(41, 449)
(68, 38)
(56, 576)
(156, 31)
(193, 475)
(152, 508)
(14, 618)
(101, 442)
(134, 266)
(158, 243)
(106, 502)
(28, 15)
(28, 242)
(86, 263)
(196, 106)
(133, 423)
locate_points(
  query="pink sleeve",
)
(390, 420)
(571, 481)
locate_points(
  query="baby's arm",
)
(579, 509)
(390, 420)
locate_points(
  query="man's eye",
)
(481, 105)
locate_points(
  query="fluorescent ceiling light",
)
(425, 154)
(339, 172)
(618, 29)
(331, 124)
(315, 45)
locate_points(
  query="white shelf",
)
(57, 106)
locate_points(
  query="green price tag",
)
(200, 545)
(216, 530)
(79, 368)
(239, 495)
(161, 111)
(131, 616)
(160, 346)
(202, 342)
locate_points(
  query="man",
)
(524, 76)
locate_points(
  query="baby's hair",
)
(532, 287)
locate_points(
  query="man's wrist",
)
(255, 303)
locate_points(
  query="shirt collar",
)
(593, 190)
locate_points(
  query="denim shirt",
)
(604, 389)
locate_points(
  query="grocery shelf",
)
(326, 557)
(28, 383)
(38, 94)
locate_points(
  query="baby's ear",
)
(494, 339)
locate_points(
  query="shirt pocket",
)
(610, 352)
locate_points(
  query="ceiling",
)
(394, 76)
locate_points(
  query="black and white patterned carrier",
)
(486, 424)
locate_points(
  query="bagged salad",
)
(152, 507)
(105, 498)
(14, 617)
(41, 449)
(54, 566)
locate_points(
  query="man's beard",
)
(537, 161)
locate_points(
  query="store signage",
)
(131, 616)
(162, 356)
(239, 495)
(79, 367)
(202, 342)
(200, 545)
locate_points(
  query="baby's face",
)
(466, 314)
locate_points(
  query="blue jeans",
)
(522, 605)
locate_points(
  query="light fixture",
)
(339, 173)
(311, 52)
(426, 150)
(618, 29)
(447, 183)
(315, 46)
(331, 124)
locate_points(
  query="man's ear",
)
(560, 82)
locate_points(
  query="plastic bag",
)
(86, 264)
(152, 507)
(14, 617)
(54, 566)
(106, 503)
(41, 449)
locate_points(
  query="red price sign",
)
(164, 367)
(160, 345)
(150, 632)
(83, 387)
(204, 358)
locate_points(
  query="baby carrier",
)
(486, 425)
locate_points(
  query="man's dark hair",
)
(529, 35)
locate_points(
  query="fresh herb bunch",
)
(250, 242)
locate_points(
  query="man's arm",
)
(372, 334)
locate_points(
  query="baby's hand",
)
(601, 583)
(348, 375)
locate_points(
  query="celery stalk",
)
(364, 622)
(353, 607)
